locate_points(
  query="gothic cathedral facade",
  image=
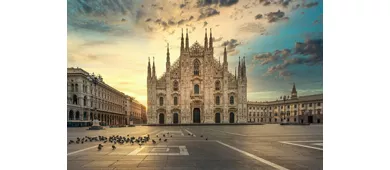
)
(197, 88)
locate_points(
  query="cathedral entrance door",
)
(217, 118)
(175, 118)
(196, 115)
(161, 118)
(231, 117)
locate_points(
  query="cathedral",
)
(197, 88)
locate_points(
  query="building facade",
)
(144, 118)
(302, 109)
(89, 98)
(197, 88)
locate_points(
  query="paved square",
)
(160, 150)
(226, 147)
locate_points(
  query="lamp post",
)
(95, 81)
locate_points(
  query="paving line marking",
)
(190, 132)
(253, 156)
(305, 146)
(82, 150)
(238, 134)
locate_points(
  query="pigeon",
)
(201, 136)
(165, 140)
(164, 135)
(82, 142)
(105, 141)
(100, 146)
(159, 139)
(71, 141)
(189, 134)
(156, 135)
(206, 138)
(113, 147)
(171, 135)
(154, 142)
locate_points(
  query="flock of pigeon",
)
(122, 140)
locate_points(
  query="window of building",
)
(295, 112)
(85, 100)
(74, 99)
(281, 107)
(72, 87)
(196, 67)
(295, 106)
(175, 100)
(175, 86)
(288, 106)
(196, 89)
(231, 100)
(310, 104)
(161, 101)
(77, 87)
(217, 100)
(318, 104)
(249, 113)
(303, 105)
(217, 85)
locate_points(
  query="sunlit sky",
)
(281, 40)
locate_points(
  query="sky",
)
(282, 40)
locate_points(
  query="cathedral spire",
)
(239, 66)
(168, 64)
(154, 69)
(243, 68)
(149, 72)
(235, 71)
(182, 41)
(294, 93)
(205, 39)
(187, 43)
(211, 40)
(224, 56)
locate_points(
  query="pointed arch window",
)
(217, 85)
(196, 89)
(231, 99)
(175, 86)
(196, 67)
(175, 101)
(161, 101)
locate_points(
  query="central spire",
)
(182, 41)
(205, 39)
(211, 40)
(187, 43)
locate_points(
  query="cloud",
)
(258, 16)
(309, 5)
(253, 28)
(231, 46)
(275, 16)
(216, 40)
(309, 53)
(183, 21)
(207, 12)
(221, 3)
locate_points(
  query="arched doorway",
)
(77, 115)
(71, 115)
(161, 118)
(217, 118)
(196, 115)
(231, 117)
(175, 118)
